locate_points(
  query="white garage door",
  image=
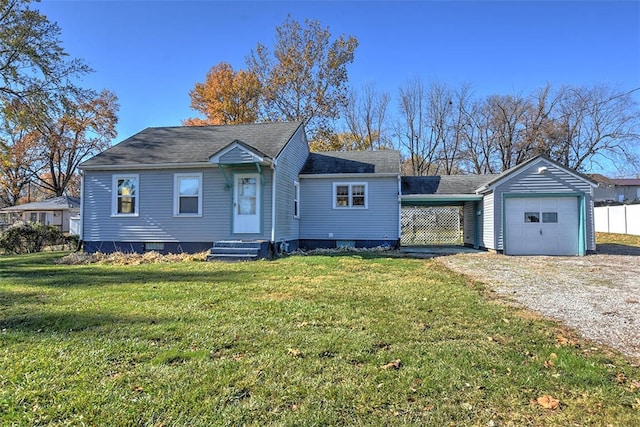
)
(542, 226)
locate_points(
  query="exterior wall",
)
(617, 193)
(379, 222)
(155, 222)
(469, 218)
(556, 181)
(66, 217)
(290, 162)
(486, 233)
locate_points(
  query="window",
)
(187, 190)
(125, 195)
(350, 195)
(296, 199)
(532, 217)
(549, 216)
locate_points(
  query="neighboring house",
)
(620, 190)
(256, 189)
(56, 211)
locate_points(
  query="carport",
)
(441, 210)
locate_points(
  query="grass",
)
(618, 239)
(319, 340)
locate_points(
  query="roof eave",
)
(146, 166)
(349, 175)
(441, 197)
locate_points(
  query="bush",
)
(31, 237)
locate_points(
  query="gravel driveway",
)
(597, 295)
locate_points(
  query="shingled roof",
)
(193, 144)
(337, 162)
(445, 184)
(53, 204)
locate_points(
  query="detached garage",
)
(538, 208)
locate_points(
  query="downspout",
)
(81, 230)
(274, 163)
(399, 210)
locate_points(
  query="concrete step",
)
(237, 250)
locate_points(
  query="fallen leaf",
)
(548, 402)
(549, 364)
(138, 389)
(621, 378)
(561, 340)
(392, 365)
(635, 385)
(294, 352)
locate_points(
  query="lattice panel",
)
(430, 226)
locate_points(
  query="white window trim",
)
(114, 195)
(176, 195)
(296, 199)
(351, 185)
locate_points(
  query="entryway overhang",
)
(438, 199)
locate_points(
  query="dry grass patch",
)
(122, 258)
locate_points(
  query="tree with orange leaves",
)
(226, 97)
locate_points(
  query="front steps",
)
(239, 250)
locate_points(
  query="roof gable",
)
(237, 153)
(516, 170)
(193, 144)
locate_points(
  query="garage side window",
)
(550, 217)
(532, 217)
(125, 195)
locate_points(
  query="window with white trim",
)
(187, 194)
(296, 199)
(125, 195)
(350, 195)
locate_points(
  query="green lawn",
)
(318, 340)
(617, 239)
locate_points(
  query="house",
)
(56, 211)
(616, 190)
(256, 189)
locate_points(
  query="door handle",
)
(541, 231)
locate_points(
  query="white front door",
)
(246, 203)
(542, 226)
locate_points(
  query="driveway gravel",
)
(596, 295)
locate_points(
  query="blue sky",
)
(151, 53)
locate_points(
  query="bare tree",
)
(593, 125)
(365, 116)
(412, 131)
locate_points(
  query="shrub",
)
(30, 237)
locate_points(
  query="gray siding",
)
(290, 162)
(156, 222)
(468, 217)
(235, 156)
(488, 219)
(380, 221)
(555, 181)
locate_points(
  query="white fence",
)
(623, 219)
(74, 225)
